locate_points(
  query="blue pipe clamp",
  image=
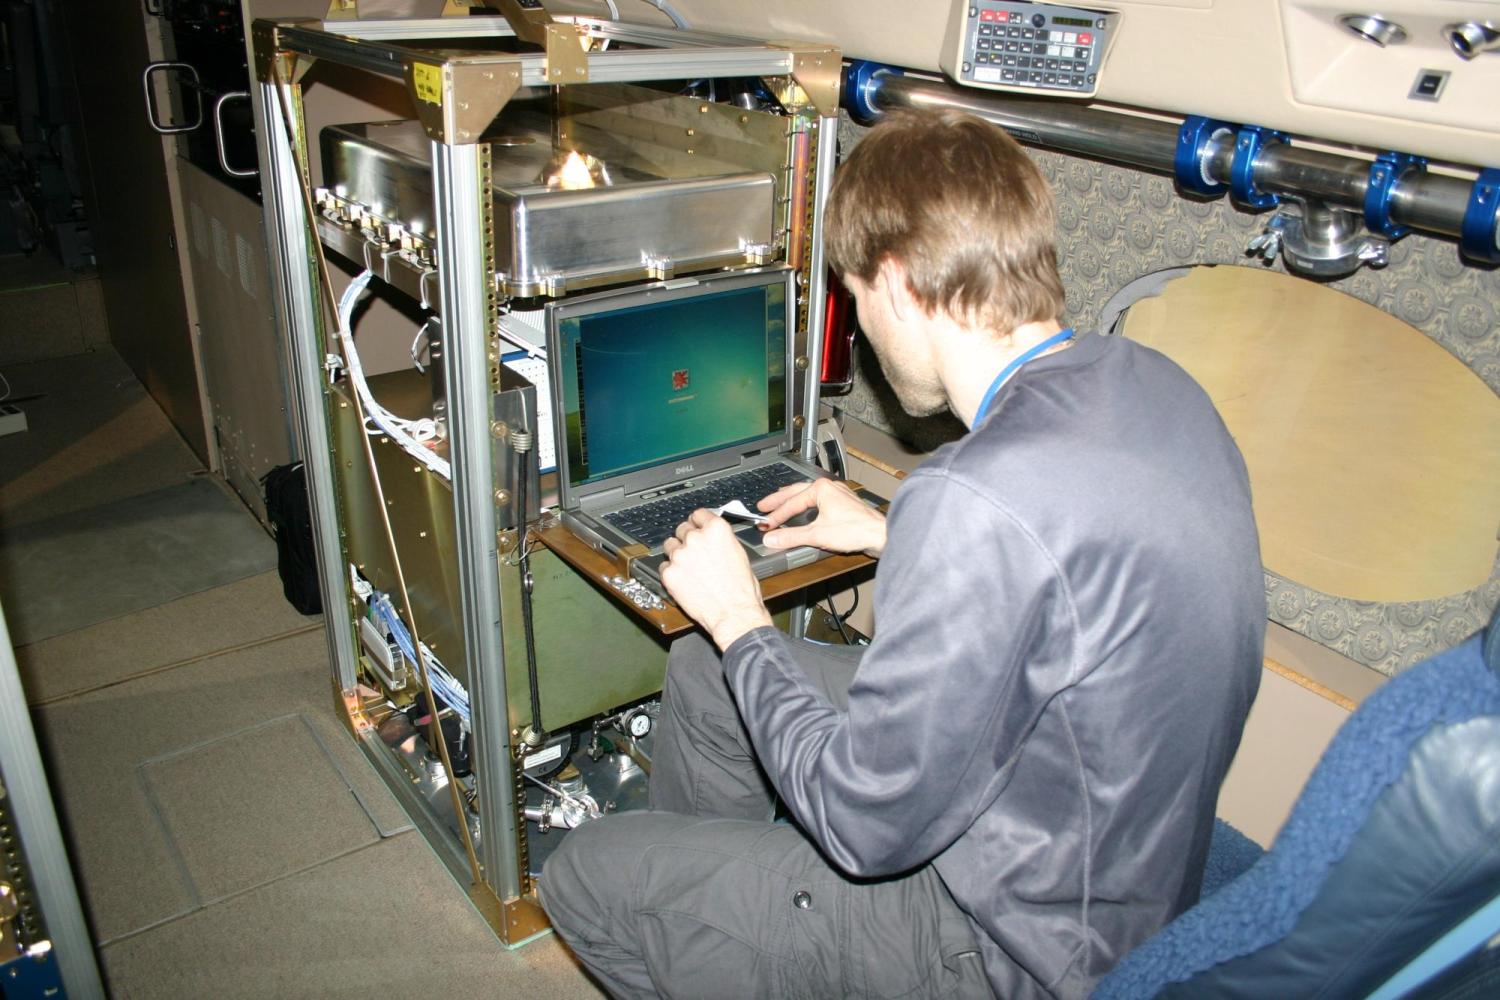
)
(861, 83)
(1388, 168)
(1248, 143)
(1478, 233)
(1192, 146)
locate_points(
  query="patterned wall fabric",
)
(1116, 224)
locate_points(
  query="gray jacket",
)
(1070, 616)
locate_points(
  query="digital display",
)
(1074, 22)
(645, 384)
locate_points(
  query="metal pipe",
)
(1431, 202)
(1071, 128)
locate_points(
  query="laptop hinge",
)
(604, 496)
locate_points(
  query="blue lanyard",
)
(1008, 370)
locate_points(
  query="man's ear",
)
(896, 287)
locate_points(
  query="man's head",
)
(958, 204)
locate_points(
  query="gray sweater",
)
(1070, 614)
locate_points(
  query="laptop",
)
(671, 397)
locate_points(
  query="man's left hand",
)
(708, 574)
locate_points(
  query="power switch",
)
(1429, 85)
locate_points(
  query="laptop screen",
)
(656, 376)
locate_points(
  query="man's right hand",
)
(844, 523)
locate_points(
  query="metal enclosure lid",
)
(551, 239)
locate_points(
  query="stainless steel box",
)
(550, 239)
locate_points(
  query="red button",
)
(988, 15)
(1084, 38)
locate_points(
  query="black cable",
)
(521, 444)
(852, 608)
(834, 614)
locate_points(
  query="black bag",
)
(291, 522)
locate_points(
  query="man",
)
(1015, 784)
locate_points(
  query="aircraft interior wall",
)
(1117, 224)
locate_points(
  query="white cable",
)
(667, 9)
(408, 433)
(7, 387)
(614, 11)
(416, 354)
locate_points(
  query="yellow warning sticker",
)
(427, 82)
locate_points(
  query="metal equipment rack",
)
(460, 73)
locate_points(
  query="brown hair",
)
(959, 204)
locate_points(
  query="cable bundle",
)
(410, 434)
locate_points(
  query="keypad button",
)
(1010, 60)
(1027, 33)
(1050, 78)
(1024, 62)
(1036, 76)
(1008, 75)
(1042, 34)
(1080, 53)
(1084, 38)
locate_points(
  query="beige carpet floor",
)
(230, 839)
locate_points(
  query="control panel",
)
(1001, 45)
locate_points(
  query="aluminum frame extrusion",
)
(462, 207)
(288, 236)
(41, 836)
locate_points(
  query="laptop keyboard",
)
(654, 522)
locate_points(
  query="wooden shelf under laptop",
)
(668, 620)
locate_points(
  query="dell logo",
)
(682, 470)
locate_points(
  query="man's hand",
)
(844, 522)
(708, 575)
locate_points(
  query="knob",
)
(1037, 20)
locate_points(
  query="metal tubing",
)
(298, 315)
(1422, 200)
(461, 211)
(25, 784)
(1071, 128)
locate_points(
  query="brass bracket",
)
(566, 45)
(814, 79)
(456, 101)
(342, 10)
(266, 44)
(524, 919)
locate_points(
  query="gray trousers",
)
(704, 896)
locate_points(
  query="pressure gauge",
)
(638, 725)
